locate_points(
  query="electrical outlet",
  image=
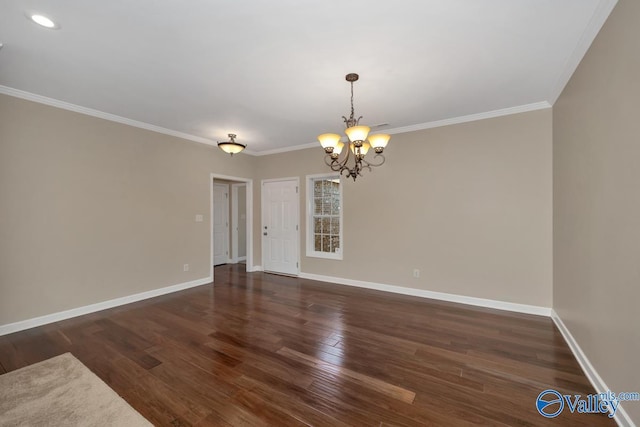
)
(416, 273)
(185, 267)
(199, 218)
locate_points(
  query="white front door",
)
(280, 234)
(220, 224)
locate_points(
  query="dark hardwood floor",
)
(258, 349)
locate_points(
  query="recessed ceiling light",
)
(44, 21)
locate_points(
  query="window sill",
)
(324, 255)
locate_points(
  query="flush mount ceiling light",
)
(42, 20)
(231, 147)
(359, 145)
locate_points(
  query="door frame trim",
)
(234, 221)
(249, 196)
(227, 240)
(262, 195)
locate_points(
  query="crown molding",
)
(472, 117)
(286, 149)
(142, 125)
(602, 12)
(17, 93)
(428, 125)
(250, 152)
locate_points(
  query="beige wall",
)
(469, 205)
(596, 175)
(93, 210)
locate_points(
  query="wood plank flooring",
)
(257, 349)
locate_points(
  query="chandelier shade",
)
(352, 162)
(379, 141)
(329, 140)
(357, 133)
(361, 150)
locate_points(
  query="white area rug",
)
(62, 392)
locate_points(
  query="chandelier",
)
(353, 162)
(231, 147)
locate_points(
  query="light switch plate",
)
(198, 218)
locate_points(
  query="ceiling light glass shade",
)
(357, 133)
(338, 148)
(329, 140)
(379, 140)
(231, 147)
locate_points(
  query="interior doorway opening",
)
(231, 221)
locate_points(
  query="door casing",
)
(235, 218)
(224, 235)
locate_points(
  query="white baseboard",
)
(621, 417)
(481, 302)
(92, 308)
(254, 268)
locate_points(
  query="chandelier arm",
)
(365, 165)
(345, 170)
(346, 156)
(351, 121)
(337, 164)
(380, 163)
(328, 160)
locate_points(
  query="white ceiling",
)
(273, 71)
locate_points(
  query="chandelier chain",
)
(351, 121)
(352, 110)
